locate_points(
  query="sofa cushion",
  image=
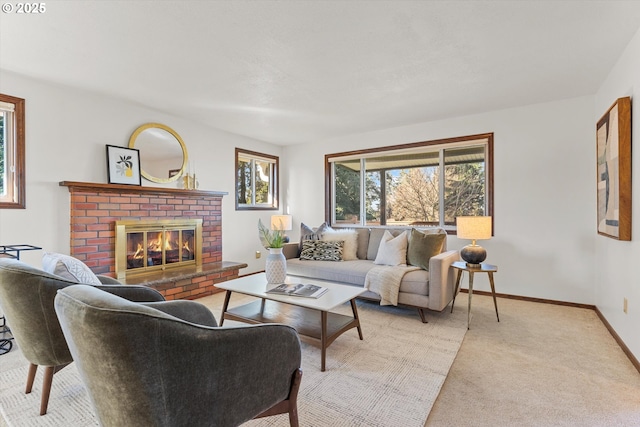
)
(69, 268)
(392, 250)
(350, 238)
(422, 247)
(375, 236)
(363, 242)
(354, 273)
(321, 250)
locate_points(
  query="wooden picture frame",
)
(123, 165)
(613, 150)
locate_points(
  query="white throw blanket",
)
(385, 280)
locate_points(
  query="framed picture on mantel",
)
(123, 165)
(613, 148)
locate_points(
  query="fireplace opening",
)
(146, 246)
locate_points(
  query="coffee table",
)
(311, 317)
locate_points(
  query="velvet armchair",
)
(26, 298)
(169, 364)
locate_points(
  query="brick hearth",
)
(96, 207)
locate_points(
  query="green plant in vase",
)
(270, 238)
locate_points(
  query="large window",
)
(256, 180)
(426, 183)
(12, 174)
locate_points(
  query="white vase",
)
(276, 266)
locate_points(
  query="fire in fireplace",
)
(146, 246)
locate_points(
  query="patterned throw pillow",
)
(68, 267)
(308, 233)
(320, 250)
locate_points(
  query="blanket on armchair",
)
(385, 280)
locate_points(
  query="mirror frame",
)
(185, 155)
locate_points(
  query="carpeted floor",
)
(542, 365)
(392, 378)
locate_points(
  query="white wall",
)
(544, 192)
(66, 134)
(615, 278)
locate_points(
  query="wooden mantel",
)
(119, 188)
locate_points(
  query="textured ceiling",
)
(300, 71)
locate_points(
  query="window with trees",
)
(12, 163)
(425, 183)
(256, 180)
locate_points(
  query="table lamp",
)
(473, 228)
(282, 223)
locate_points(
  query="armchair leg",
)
(31, 377)
(293, 399)
(289, 405)
(46, 383)
(46, 388)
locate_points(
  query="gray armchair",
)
(26, 298)
(172, 366)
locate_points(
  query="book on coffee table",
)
(298, 290)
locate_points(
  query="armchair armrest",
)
(133, 293)
(441, 279)
(106, 280)
(189, 311)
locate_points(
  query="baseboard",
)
(604, 321)
(621, 343)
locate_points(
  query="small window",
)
(256, 180)
(12, 175)
(426, 183)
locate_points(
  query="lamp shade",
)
(474, 227)
(281, 222)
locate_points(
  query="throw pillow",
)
(319, 250)
(308, 233)
(350, 239)
(422, 247)
(392, 250)
(69, 268)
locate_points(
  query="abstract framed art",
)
(613, 148)
(123, 165)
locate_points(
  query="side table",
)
(484, 268)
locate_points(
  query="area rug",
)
(391, 378)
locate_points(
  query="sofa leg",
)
(422, 317)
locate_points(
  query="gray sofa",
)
(432, 289)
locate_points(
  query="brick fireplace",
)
(95, 208)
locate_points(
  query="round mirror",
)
(163, 155)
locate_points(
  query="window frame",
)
(15, 164)
(274, 191)
(432, 144)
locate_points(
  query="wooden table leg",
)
(323, 339)
(470, 295)
(493, 292)
(455, 289)
(227, 297)
(355, 316)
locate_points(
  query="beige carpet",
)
(392, 378)
(542, 365)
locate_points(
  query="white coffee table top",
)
(256, 285)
